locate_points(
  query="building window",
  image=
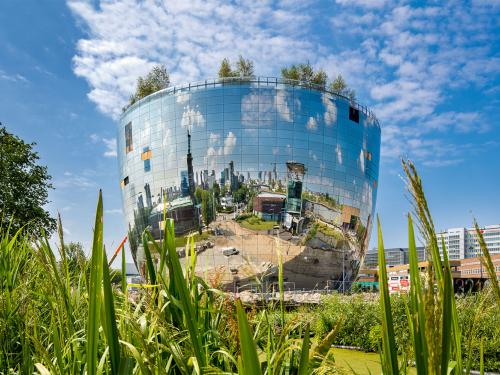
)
(146, 157)
(368, 155)
(124, 182)
(128, 138)
(354, 114)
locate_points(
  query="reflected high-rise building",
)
(189, 159)
(184, 183)
(296, 166)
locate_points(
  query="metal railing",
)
(258, 82)
(267, 290)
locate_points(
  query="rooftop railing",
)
(258, 82)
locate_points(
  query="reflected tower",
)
(190, 169)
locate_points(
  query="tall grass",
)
(432, 312)
(59, 320)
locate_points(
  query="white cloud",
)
(312, 123)
(282, 106)
(330, 114)
(110, 144)
(114, 211)
(95, 138)
(126, 38)
(405, 58)
(363, 3)
(229, 143)
(13, 77)
(110, 147)
(192, 117)
(214, 138)
(74, 181)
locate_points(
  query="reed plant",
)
(56, 319)
(432, 312)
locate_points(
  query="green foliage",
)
(225, 69)
(339, 86)
(240, 194)
(244, 68)
(388, 355)
(198, 194)
(216, 190)
(54, 321)
(157, 79)
(311, 233)
(324, 199)
(75, 256)
(252, 222)
(305, 73)
(24, 186)
(207, 207)
(250, 363)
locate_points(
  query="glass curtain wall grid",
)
(259, 166)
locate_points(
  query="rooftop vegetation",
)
(158, 78)
(242, 68)
(307, 73)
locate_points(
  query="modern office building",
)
(393, 257)
(307, 152)
(463, 243)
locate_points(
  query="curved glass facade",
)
(253, 168)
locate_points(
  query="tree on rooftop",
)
(244, 67)
(339, 86)
(24, 186)
(225, 69)
(305, 73)
(157, 79)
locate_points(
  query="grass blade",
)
(481, 358)
(95, 291)
(304, 353)
(184, 296)
(320, 351)
(109, 319)
(149, 260)
(446, 334)
(389, 352)
(417, 305)
(249, 358)
(42, 369)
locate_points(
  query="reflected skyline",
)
(255, 163)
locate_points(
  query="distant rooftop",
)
(271, 194)
(176, 203)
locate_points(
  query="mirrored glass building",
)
(255, 169)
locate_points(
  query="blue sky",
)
(430, 71)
